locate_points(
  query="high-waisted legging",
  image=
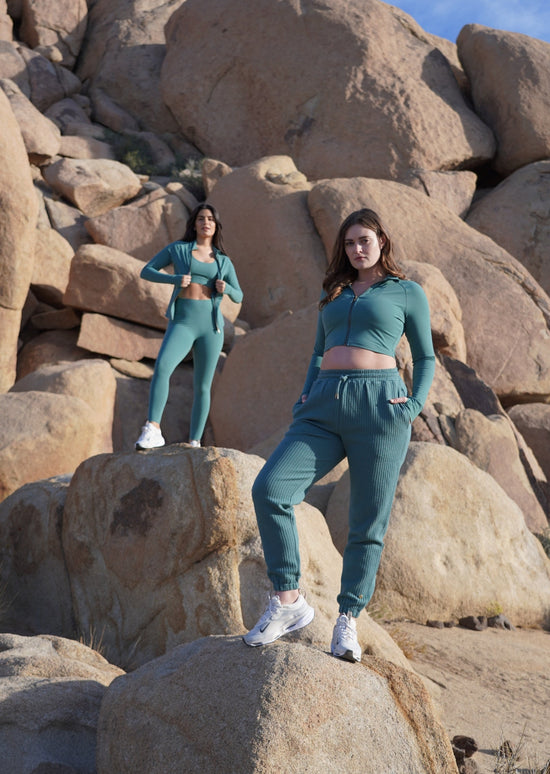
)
(191, 329)
(347, 413)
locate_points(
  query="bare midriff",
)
(195, 291)
(347, 358)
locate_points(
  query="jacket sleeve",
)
(316, 358)
(232, 287)
(419, 335)
(151, 270)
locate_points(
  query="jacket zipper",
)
(349, 318)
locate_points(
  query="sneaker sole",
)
(148, 448)
(347, 656)
(299, 624)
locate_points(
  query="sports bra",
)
(203, 273)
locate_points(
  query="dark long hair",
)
(191, 231)
(340, 272)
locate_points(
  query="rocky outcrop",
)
(278, 254)
(492, 60)
(33, 574)
(48, 434)
(173, 554)
(107, 281)
(267, 704)
(55, 27)
(456, 544)
(516, 215)
(93, 185)
(123, 54)
(90, 380)
(40, 135)
(533, 422)
(142, 228)
(17, 228)
(369, 112)
(490, 443)
(50, 695)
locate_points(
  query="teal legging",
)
(347, 413)
(191, 329)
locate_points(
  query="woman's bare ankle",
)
(288, 597)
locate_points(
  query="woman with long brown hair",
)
(354, 404)
(202, 274)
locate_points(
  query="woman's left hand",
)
(220, 286)
(404, 399)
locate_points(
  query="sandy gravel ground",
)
(492, 685)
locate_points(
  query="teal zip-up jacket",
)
(376, 319)
(178, 254)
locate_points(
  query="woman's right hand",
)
(303, 398)
(185, 280)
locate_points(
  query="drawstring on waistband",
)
(341, 381)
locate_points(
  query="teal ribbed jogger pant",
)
(347, 413)
(191, 328)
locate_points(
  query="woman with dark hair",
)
(202, 274)
(354, 404)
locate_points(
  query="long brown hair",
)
(191, 229)
(340, 272)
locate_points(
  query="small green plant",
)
(544, 538)
(493, 609)
(188, 171)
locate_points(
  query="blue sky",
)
(447, 17)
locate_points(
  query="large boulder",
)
(118, 338)
(107, 281)
(40, 135)
(122, 57)
(47, 435)
(283, 708)
(17, 234)
(344, 88)
(516, 215)
(278, 255)
(494, 59)
(50, 695)
(48, 348)
(52, 265)
(172, 553)
(91, 380)
(33, 574)
(42, 81)
(456, 544)
(533, 422)
(246, 411)
(143, 227)
(516, 362)
(93, 185)
(490, 443)
(56, 27)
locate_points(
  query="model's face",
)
(205, 224)
(363, 247)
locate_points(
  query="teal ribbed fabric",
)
(347, 413)
(191, 329)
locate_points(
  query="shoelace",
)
(343, 626)
(272, 611)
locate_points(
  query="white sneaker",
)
(150, 438)
(195, 444)
(344, 639)
(279, 619)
